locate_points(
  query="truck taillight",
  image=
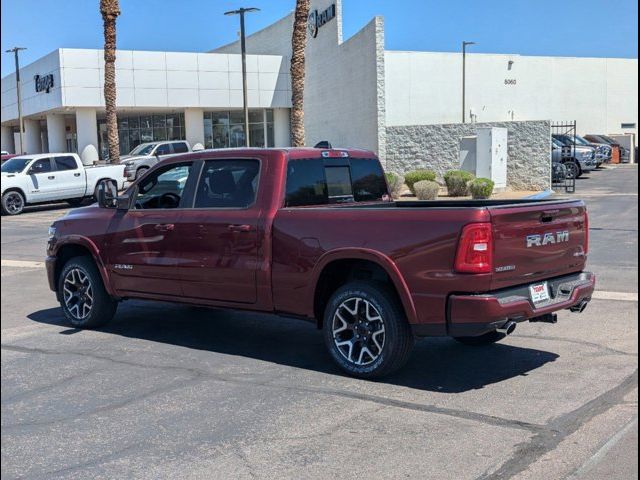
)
(586, 232)
(475, 249)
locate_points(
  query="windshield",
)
(608, 139)
(143, 149)
(564, 139)
(581, 141)
(15, 165)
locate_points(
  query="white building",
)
(355, 90)
(160, 95)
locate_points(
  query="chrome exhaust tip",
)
(507, 328)
(579, 308)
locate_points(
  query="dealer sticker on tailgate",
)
(539, 293)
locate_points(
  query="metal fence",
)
(564, 166)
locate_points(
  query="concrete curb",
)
(540, 195)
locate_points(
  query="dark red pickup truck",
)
(312, 233)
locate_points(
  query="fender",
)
(374, 256)
(95, 253)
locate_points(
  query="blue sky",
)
(600, 28)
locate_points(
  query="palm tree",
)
(110, 9)
(298, 43)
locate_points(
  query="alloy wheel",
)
(78, 293)
(358, 331)
(13, 203)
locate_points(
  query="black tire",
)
(75, 202)
(398, 340)
(141, 171)
(486, 339)
(72, 277)
(12, 202)
(573, 169)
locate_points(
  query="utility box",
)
(491, 155)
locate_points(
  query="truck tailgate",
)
(538, 241)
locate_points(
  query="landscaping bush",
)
(410, 178)
(396, 184)
(426, 190)
(458, 182)
(481, 188)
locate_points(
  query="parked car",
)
(577, 158)
(146, 155)
(52, 177)
(603, 150)
(312, 233)
(624, 152)
(4, 156)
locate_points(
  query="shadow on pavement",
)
(437, 364)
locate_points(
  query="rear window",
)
(323, 181)
(66, 163)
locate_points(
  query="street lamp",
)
(464, 77)
(15, 51)
(241, 12)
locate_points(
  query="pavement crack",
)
(557, 430)
(611, 351)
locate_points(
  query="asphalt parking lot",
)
(177, 392)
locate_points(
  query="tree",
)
(110, 9)
(298, 44)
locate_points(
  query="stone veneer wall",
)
(436, 147)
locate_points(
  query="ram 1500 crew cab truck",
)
(52, 177)
(312, 233)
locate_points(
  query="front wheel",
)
(486, 339)
(366, 331)
(83, 298)
(12, 203)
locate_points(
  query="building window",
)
(628, 125)
(223, 129)
(136, 129)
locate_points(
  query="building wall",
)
(151, 80)
(425, 88)
(32, 101)
(344, 84)
(437, 148)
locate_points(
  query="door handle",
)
(51, 177)
(164, 227)
(239, 228)
(76, 174)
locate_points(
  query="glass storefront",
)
(223, 129)
(136, 129)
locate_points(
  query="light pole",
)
(15, 51)
(464, 77)
(241, 12)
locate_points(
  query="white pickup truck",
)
(52, 177)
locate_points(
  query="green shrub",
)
(457, 182)
(410, 178)
(396, 184)
(481, 188)
(426, 190)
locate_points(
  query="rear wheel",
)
(12, 203)
(83, 298)
(486, 339)
(366, 331)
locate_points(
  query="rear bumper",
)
(473, 315)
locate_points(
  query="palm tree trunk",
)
(298, 44)
(110, 9)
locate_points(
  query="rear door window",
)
(228, 184)
(180, 147)
(66, 163)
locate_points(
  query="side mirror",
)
(107, 194)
